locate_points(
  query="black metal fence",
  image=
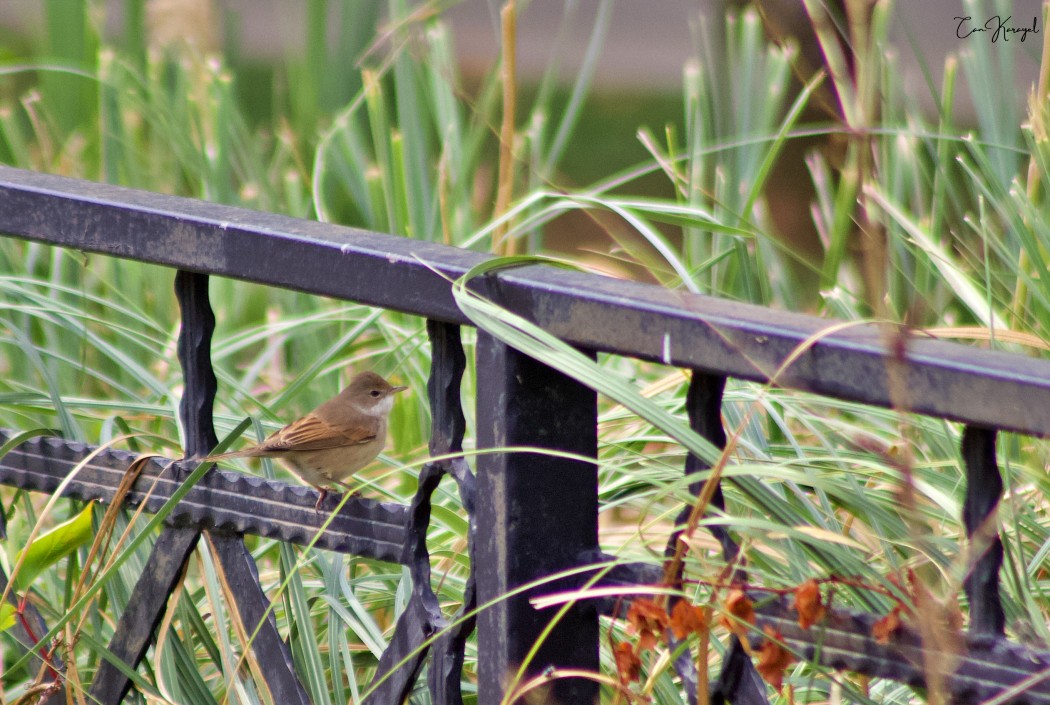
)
(530, 515)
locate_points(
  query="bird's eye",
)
(375, 393)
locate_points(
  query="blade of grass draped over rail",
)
(538, 343)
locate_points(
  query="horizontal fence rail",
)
(223, 500)
(529, 515)
(677, 328)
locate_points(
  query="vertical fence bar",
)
(447, 428)
(401, 662)
(536, 514)
(239, 572)
(167, 559)
(703, 403)
(447, 654)
(738, 681)
(173, 547)
(984, 488)
(198, 396)
(447, 364)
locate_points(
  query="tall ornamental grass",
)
(924, 220)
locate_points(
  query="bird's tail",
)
(246, 453)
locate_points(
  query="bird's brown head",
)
(371, 393)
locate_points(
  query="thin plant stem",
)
(1040, 133)
(505, 190)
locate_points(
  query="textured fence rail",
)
(530, 515)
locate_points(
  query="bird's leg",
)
(322, 493)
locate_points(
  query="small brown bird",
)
(336, 439)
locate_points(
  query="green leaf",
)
(7, 616)
(52, 547)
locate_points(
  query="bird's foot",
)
(321, 494)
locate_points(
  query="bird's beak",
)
(395, 390)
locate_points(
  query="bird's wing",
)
(314, 433)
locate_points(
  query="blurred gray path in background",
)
(648, 42)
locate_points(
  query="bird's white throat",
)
(382, 408)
